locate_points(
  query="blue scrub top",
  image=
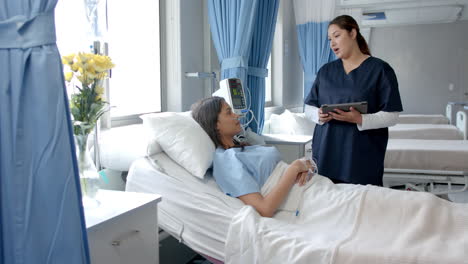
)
(343, 152)
(240, 171)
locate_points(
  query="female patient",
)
(241, 170)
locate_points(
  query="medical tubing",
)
(313, 171)
(250, 97)
(246, 124)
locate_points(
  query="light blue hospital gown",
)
(239, 172)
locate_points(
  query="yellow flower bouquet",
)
(87, 104)
(86, 107)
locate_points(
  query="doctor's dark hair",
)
(348, 23)
(206, 112)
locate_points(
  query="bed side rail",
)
(428, 180)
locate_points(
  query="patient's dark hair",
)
(206, 112)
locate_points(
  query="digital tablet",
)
(359, 106)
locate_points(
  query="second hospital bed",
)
(432, 131)
(425, 131)
(420, 164)
(423, 119)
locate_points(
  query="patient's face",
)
(228, 122)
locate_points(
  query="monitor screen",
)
(237, 97)
(236, 101)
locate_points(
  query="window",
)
(133, 36)
(268, 98)
(133, 40)
(71, 27)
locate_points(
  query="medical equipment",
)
(232, 91)
(204, 75)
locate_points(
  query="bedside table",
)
(291, 147)
(123, 228)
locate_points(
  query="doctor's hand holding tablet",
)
(349, 112)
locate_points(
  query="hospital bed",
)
(431, 131)
(193, 210)
(423, 119)
(425, 131)
(197, 213)
(436, 166)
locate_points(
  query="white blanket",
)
(344, 223)
(425, 131)
(423, 119)
(422, 154)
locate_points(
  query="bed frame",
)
(462, 123)
(439, 183)
(452, 109)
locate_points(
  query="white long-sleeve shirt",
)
(369, 121)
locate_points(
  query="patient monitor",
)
(232, 91)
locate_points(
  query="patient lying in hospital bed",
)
(321, 222)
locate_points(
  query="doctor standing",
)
(349, 147)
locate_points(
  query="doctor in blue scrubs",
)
(349, 147)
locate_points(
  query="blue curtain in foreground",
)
(312, 19)
(41, 217)
(262, 39)
(231, 24)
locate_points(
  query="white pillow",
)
(282, 124)
(291, 124)
(303, 125)
(121, 146)
(183, 139)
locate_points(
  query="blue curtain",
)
(231, 24)
(314, 49)
(242, 32)
(262, 39)
(41, 217)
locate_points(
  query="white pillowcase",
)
(303, 125)
(182, 138)
(291, 124)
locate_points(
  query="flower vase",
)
(89, 177)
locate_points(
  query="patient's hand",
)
(303, 166)
(302, 178)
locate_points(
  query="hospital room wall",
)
(187, 47)
(431, 63)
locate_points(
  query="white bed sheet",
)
(423, 119)
(353, 224)
(425, 131)
(420, 154)
(192, 210)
